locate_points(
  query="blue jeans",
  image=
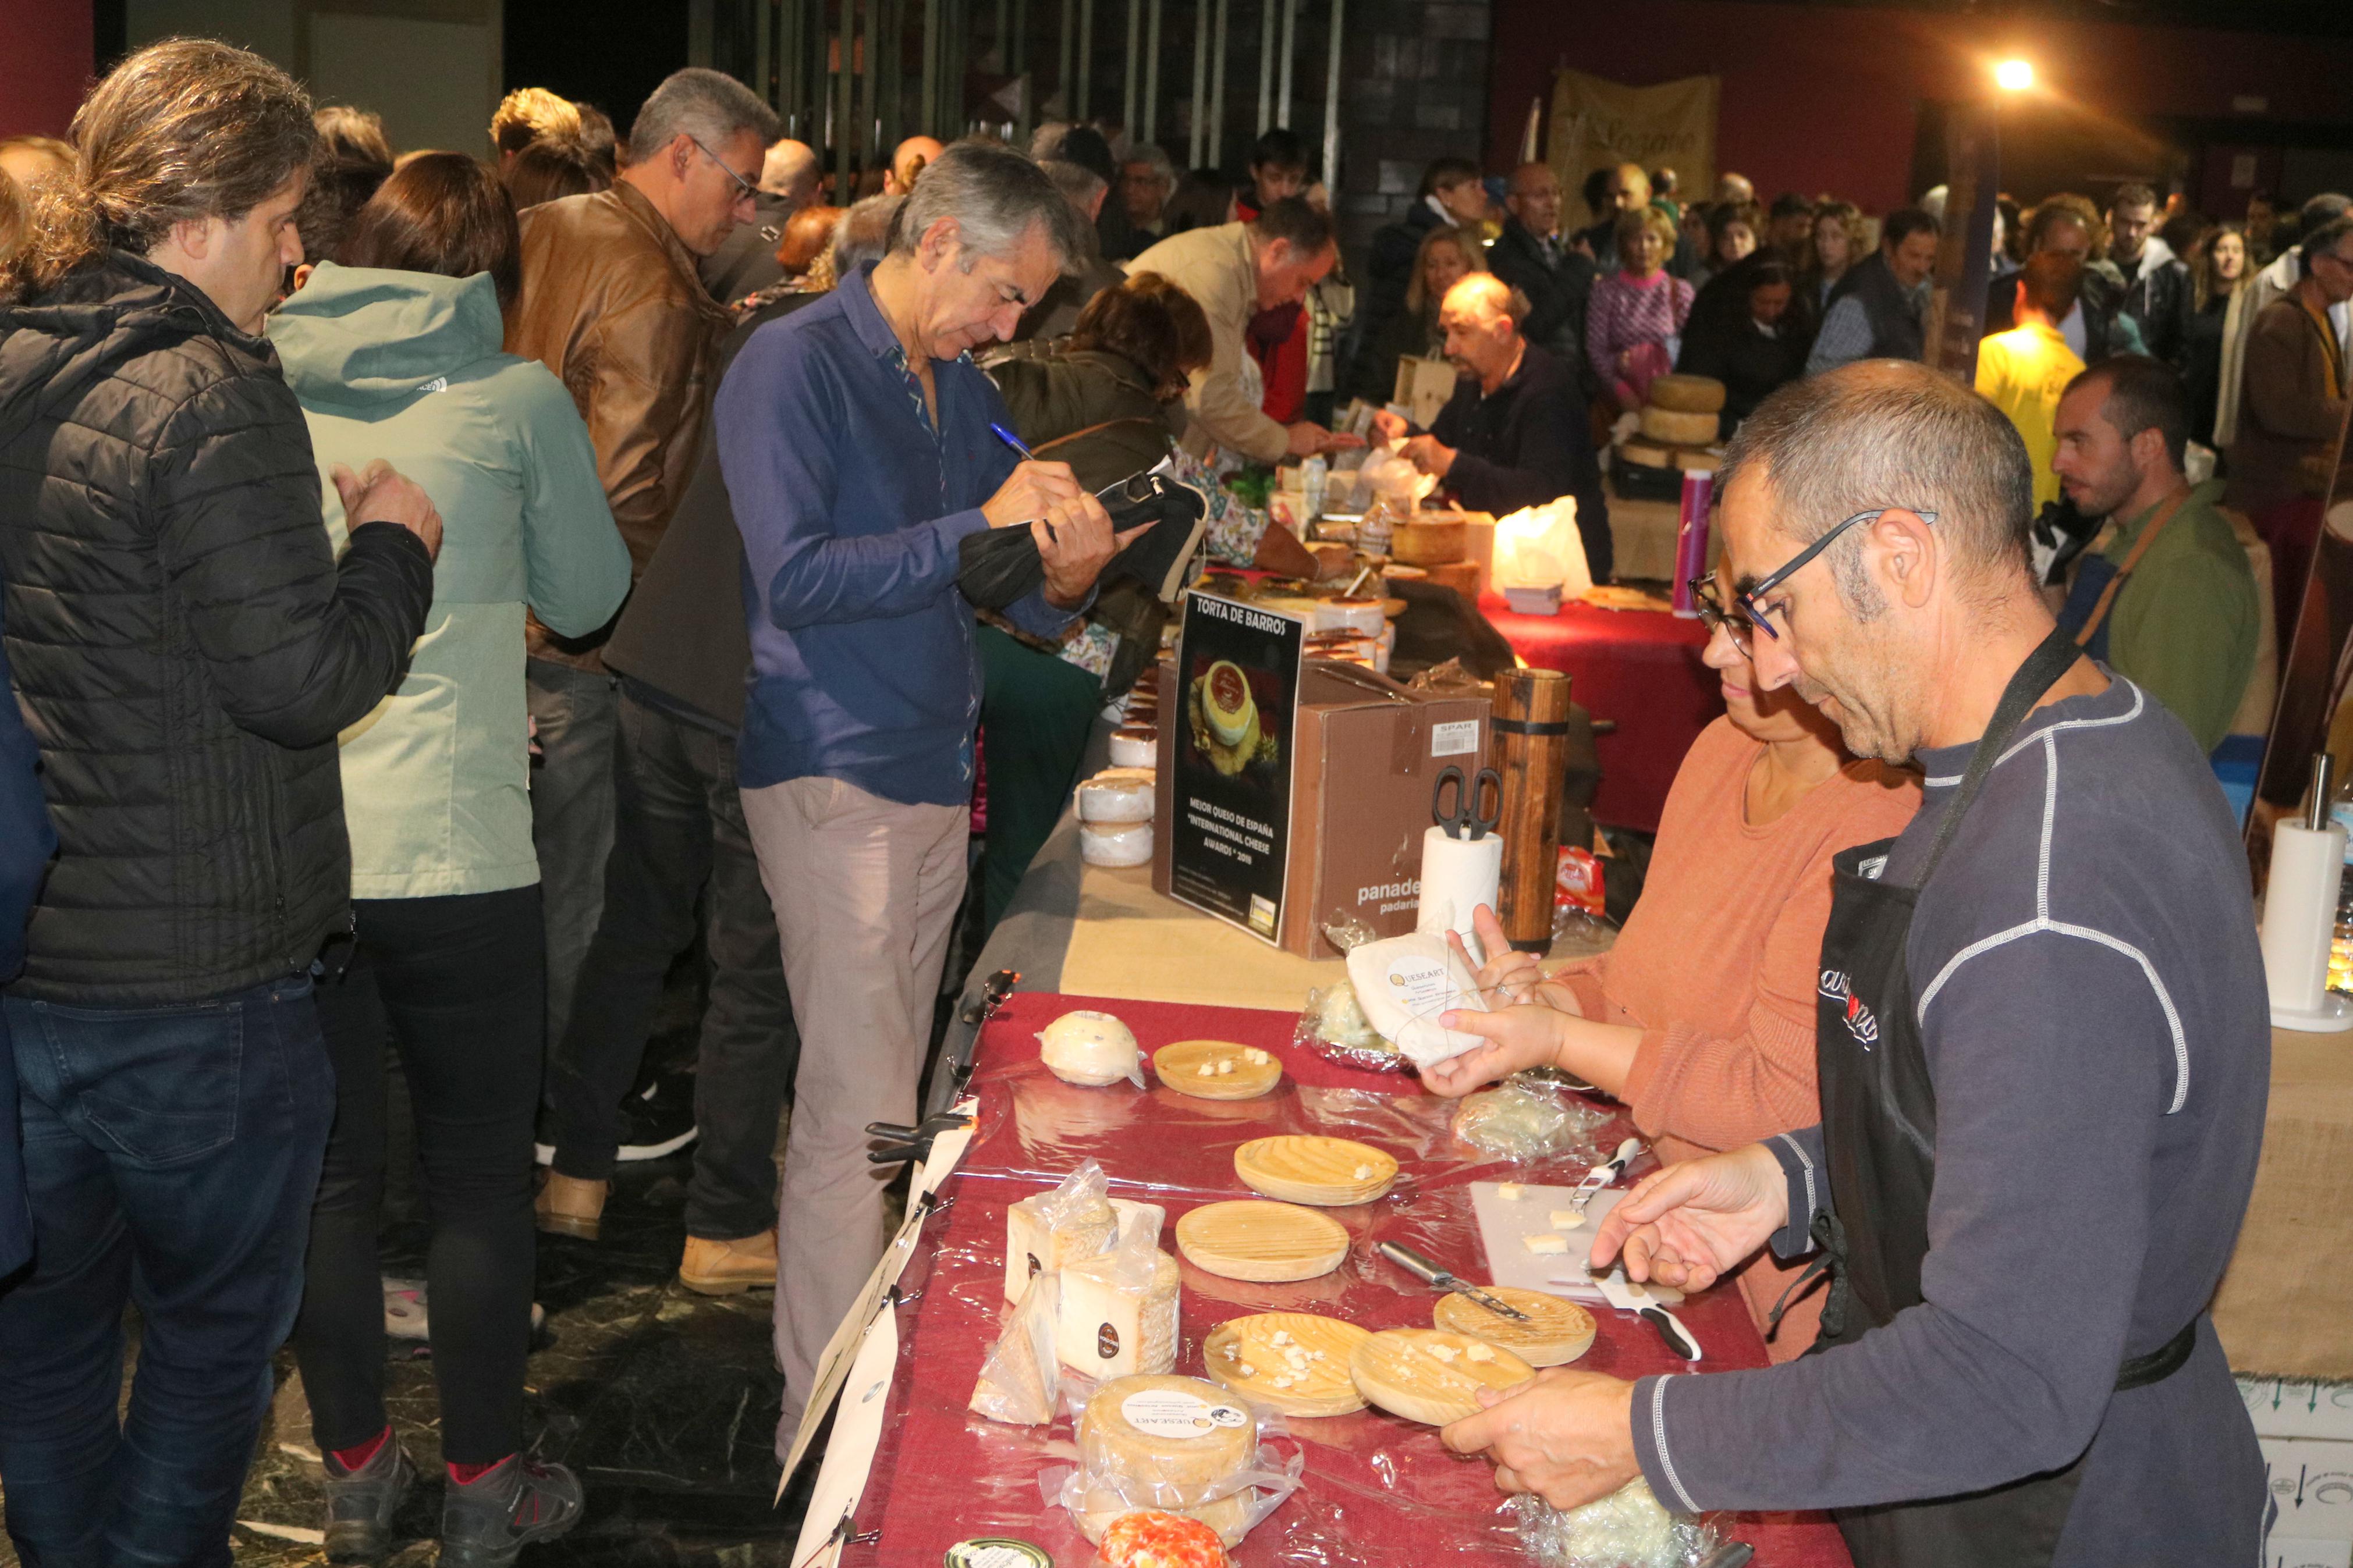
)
(171, 1154)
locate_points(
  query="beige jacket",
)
(1214, 265)
(613, 304)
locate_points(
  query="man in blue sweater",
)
(2043, 1050)
(854, 436)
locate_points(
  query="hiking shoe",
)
(566, 1205)
(361, 1503)
(486, 1522)
(729, 1268)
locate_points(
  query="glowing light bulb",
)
(2014, 75)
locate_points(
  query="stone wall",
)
(1414, 86)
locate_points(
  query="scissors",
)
(1468, 795)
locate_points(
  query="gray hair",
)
(710, 105)
(1164, 169)
(997, 197)
(863, 234)
(1078, 183)
(1890, 433)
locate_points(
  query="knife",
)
(1429, 1273)
(1608, 1171)
(1629, 1297)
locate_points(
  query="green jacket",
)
(2183, 626)
(406, 366)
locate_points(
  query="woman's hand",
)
(1518, 1038)
(1568, 1436)
(1691, 1223)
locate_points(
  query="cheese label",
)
(1173, 1412)
(1422, 985)
(1107, 1343)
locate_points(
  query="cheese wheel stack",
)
(1165, 1442)
(1681, 420)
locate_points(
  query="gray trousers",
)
(576, 713)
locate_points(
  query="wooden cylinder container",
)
(1530, 748)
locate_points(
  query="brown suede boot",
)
(567, 1205)
(729, 1268)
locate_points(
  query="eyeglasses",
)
(1714, 612)
(746, 191)
(1752, 598)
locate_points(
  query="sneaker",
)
(361, 1503)
(491, 1519)
(657, 1121)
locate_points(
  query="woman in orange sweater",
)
(1701, 1018)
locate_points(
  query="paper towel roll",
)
(1458, 875)
(2299, 913)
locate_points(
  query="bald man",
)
(746, 262)
(1627, 187)
(909, 160)
(1532, 256)
(1514, 433)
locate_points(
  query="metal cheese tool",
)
(1608, 1171)
(1628, 1297)
(1431, 1274)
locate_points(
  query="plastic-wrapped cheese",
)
(1229, 1517)
(1165, 1442)
(1117, 795)
(1112, 1324)
(1134, 746)
(1090, 1048)
(1404, 982)
(1116, 843)
(1040, 1236)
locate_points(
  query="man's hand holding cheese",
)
(2043, 1060)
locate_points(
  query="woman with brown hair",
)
(1838, 243)
(2219, 269)
(1103, 405)
(395, 350)
(552, 168)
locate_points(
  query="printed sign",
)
(1229, 842)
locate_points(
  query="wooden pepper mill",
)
(1529, 726)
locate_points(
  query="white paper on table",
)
(857, 1434)
(1505, 1225)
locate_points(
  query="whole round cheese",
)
(1679, 429)
(1165, 1538)
(1134, 746)
(1090, 1048)
(1165, 1442)
(1117, 795)
(1227, 705)
(1116, 843)
(1688, 393)
(1646, 455)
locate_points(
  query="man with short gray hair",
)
(2045, 1056)
(612, 303)
(855, 439)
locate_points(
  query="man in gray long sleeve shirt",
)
(2041, 1111)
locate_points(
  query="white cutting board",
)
(1503, 1227)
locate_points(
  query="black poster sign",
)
(1238, 678)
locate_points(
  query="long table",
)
(1376, 1487)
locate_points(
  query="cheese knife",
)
(1628, 1297)
(1606, 1171)
(1431, 1274)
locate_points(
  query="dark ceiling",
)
(2311, 18)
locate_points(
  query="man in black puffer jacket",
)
(185, 648)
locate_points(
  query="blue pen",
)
(1010, 440)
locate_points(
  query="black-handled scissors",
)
(1471, 810)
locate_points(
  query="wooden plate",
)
(1396, 1369)
(1269, 1244)
(1556, 1334)
(1323, 1387)
(1179, 1066)
(1325, 1172)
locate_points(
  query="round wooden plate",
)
(1179, 1066)
(1558, 1331)
(1330, 1173)
(1268, 1244)
(1321, 1387)
(1396, 1369)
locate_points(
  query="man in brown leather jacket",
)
(613, 305)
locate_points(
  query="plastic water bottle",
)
(1314, 479)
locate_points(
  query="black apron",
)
(1879, 1131)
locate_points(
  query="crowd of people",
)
(442, 590)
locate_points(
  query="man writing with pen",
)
(2043, 1049)
(856, 443)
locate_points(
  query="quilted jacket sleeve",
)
(297, 646)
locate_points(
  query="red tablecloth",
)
(1377, 1488)
(1639, 667)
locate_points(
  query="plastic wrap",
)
(1050, 1230)
(1521, 1122)
(1406, 984)
(1091, 1047)
(1134, 1274)
(1104, 1484)
(1020, 1383)
(1116, 843)
(1628, 1529)
(1334, 1025)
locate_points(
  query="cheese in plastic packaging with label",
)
(1404, 982)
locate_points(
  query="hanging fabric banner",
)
(1597, 123)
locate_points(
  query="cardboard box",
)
(1423, 387)
(1366, 754)
(2311, 1480)
(2285, 1408)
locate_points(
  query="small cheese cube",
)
(1481, 1351)
(1225, 1067)
(1256, 1057)
(1247, 1370)
(1206, 1069)
(1443, 1352)
(1547, 1245)
(1281, 1337)
(1233, 1352)
(1511, 1192)
(1567, 1219)
(1297, 1358)
(1284, 1382)
(1364, 1172)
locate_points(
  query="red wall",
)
(45, 60)
(1820, 98)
